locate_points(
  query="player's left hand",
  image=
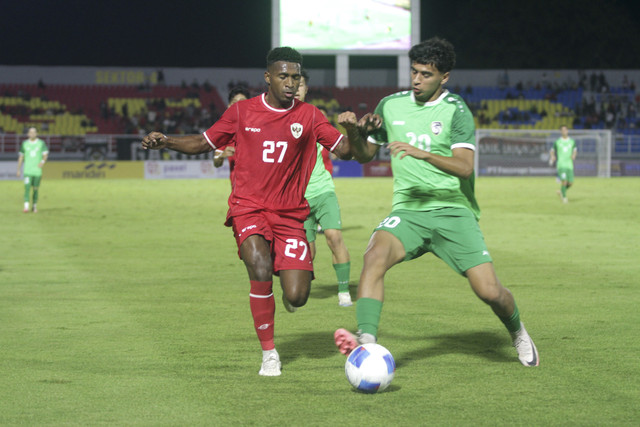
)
(370, 122)
(397, 147)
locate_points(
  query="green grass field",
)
(124, 303)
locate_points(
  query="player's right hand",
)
(347, 119)
(155, 140)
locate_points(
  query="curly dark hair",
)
(287, 54)
(435, 51)
(238, 90)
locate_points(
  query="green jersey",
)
(564, 148)
(320, 181)
(437, 127)
(33, 152)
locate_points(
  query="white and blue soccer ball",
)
(370, 368)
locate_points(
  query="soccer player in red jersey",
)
(274, 136)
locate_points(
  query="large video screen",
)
(371, 27)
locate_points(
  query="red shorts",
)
(286, 237)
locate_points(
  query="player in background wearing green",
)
(431, 137)
(564, 151)
(325, 210)
(238, 93)
(34, 154)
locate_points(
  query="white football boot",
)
(270, 364)
(344, 299)
(527, 352)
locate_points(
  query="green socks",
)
(512, 322)
(27, 191)
(563, 190)
(368, 315)
(342, 273)
(35, 196)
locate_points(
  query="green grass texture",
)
(123, 302)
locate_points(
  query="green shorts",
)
(452, 234)
(323, 210)
(565, 174)
(32, 180)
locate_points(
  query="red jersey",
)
(275, 153)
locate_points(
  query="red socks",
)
(263, 308)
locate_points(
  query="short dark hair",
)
(305, 75)
(435, 51)
(237, 91)
(285, 53)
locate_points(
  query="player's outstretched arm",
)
(190, 144)
(552, 157)
(357, 132)
(460, 164)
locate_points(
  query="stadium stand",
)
(75, 111)
(79, 110)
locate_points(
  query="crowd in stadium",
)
(592, 103)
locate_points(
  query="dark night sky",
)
(236, 33)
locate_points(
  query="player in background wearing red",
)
(275, 137)
(238, 93)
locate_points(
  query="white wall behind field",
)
(220, 77)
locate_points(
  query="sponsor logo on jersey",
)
(485, 253)
(398, 122)
(249, 129)
(296, 130)
(436, 127)
(250, 227)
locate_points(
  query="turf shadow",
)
(330, 290)
(311, 345)
(491, 346)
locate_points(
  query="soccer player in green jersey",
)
(324, 210)
(564, 151)
(431, 137)
(34, 154)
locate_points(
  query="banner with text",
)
(92, 170)
(184, 169)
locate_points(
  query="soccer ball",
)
(370, 368)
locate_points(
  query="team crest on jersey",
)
(436, 127)
(296, 130)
